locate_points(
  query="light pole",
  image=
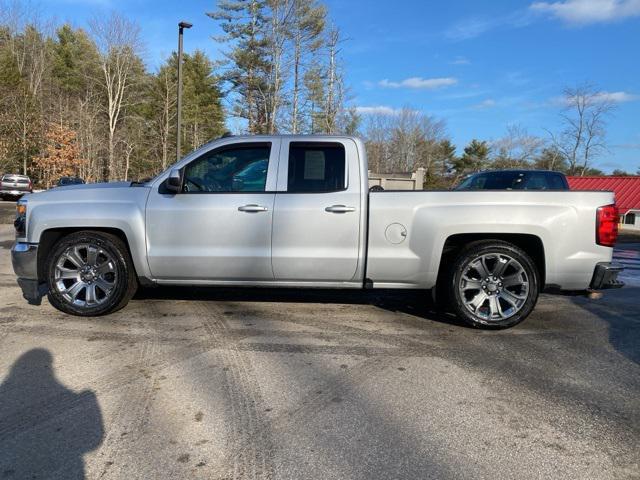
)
(181, 27)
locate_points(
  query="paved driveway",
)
(188, 383)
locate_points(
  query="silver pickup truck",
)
(296, 211)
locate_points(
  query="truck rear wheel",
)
(493, 284)
(90, 273)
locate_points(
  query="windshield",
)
(513, 181)
(69, 181)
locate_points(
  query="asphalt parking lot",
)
(264, 384)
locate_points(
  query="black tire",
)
(125, 279)
(494, 311)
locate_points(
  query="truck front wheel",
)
(493, 284)
(90, 273)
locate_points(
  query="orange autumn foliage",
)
(60, 157)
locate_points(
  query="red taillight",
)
(607, 225)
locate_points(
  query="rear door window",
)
(544, 181)
(316, 168)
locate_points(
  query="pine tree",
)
(244, 23)
(474, 158)
(447, 157)
(161, 111)
(203, 117)
(74, 61)
(74, 99)
(551, 158)
(314, 82)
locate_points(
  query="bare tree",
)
(377, 130)
(278, 33)
(119, 44)
(164, 96)
(517, 148)
(584, 119)
(403, 141)
(332, 98)
(307, 27)
(25, 41)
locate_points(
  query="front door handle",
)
(252, 208)
(339, 209)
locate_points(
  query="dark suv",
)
(515, 180)
(64, 181)
(13, 186)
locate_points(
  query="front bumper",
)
(605, 275)
(24, 257)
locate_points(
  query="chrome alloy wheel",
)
(493, 286)
(85, 275)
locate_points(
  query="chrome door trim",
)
(252, 208)
(339, 209)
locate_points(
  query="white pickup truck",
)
(296, 211)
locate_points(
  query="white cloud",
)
(460, 61)
(89, 3)
(613, 97)
(616, 97)
(469, 28)
(385, 110)
(488, 103)
(464, 94)
(419, 83)
(584, 12)
(572, 12)
(628, 146)
(475, 26)
(378, 110)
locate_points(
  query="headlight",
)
(21, 218)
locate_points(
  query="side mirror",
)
(174, 181)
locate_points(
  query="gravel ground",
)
(261, 384)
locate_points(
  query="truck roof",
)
(319, 136)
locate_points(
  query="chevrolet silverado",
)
(296, 211)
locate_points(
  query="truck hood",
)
(89, 186)
(86, 192)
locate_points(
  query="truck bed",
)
(408, 231)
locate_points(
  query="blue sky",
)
(480, 65)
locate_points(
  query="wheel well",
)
(50, 237)
(529, 243)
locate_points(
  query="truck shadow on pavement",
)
(45, 428)
(417, 303)
(620, 310)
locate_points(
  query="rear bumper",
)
(24, 257)
(605, 275)
(13, 193)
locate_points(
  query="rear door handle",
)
(339, 209)
(252, 208)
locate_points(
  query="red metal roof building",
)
(627, 189)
